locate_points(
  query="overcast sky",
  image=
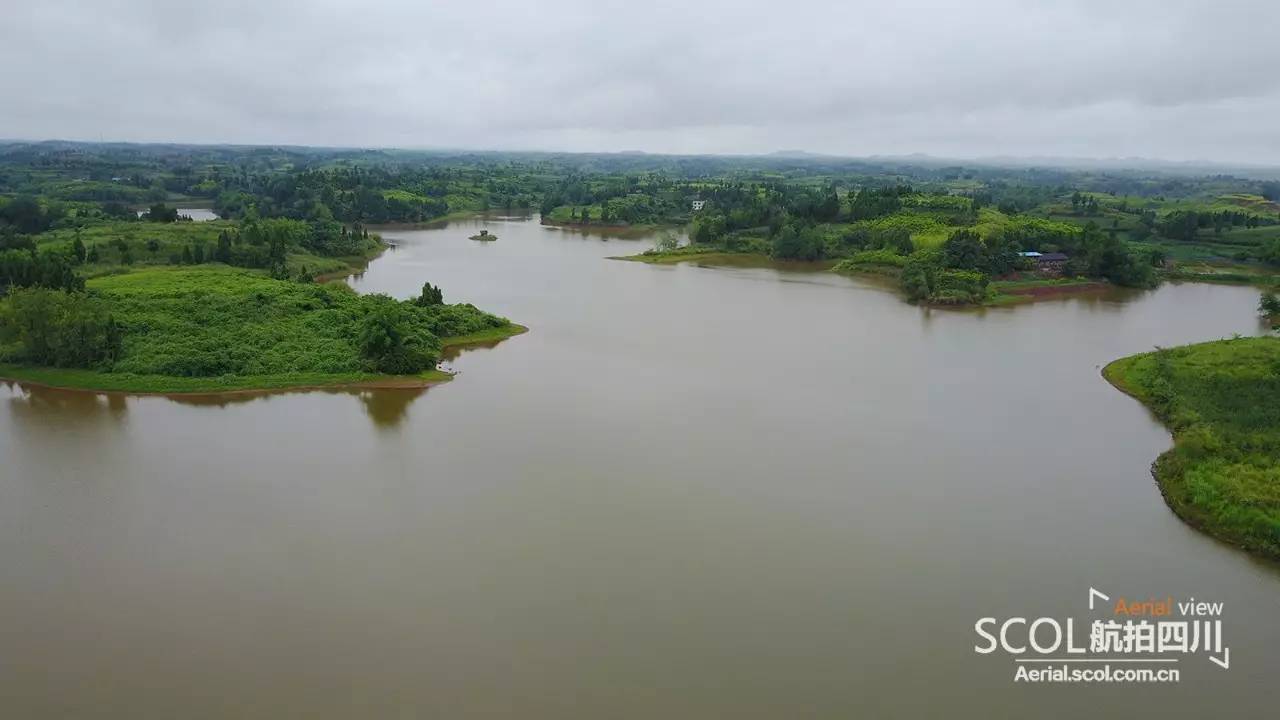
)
(1078, 78)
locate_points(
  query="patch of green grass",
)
(566, 214)
(1198, 252)
(169, 238)
(482, 337)
(1249, 201)
(1030, 289)
(745, 258)
(681, 254)
(872, 262)
(1246, 235)
(926, 230)
(929, 201)
(1222, 274)
(1040, 282)
(1222, 402)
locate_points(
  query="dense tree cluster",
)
(27, 215)
(391, 342)
(624, 200)
(431, 295)
(869, 203)
(1085, 204)
(1103, 255)
(58, 328)
(43, 269)
(1185, 225)
(1269, 305)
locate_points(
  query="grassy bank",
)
(875, 265)
(1224, 273)
(348, 265)
(1221, 401)
(142, 384)
(726, 258)
(482, 337)
(1018, 289)
(135, 384)
(1012, 292)
(688, 253)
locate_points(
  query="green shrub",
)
(960, 287)
(872, 257)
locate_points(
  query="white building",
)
(699, 204)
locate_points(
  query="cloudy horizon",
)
(1079, 79)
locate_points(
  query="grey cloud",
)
(1168, 79)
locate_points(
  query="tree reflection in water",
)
(64, 409)
(69, 407)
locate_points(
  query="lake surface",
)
(196, 214)
(686, 492)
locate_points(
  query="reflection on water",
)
(39, 404)
(388, 408)
(453, 352)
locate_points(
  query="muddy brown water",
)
(686, 492)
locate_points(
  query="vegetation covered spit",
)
(217, 322)
(1222, 402)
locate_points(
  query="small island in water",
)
(484, 236)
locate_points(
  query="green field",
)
(1221, 400)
